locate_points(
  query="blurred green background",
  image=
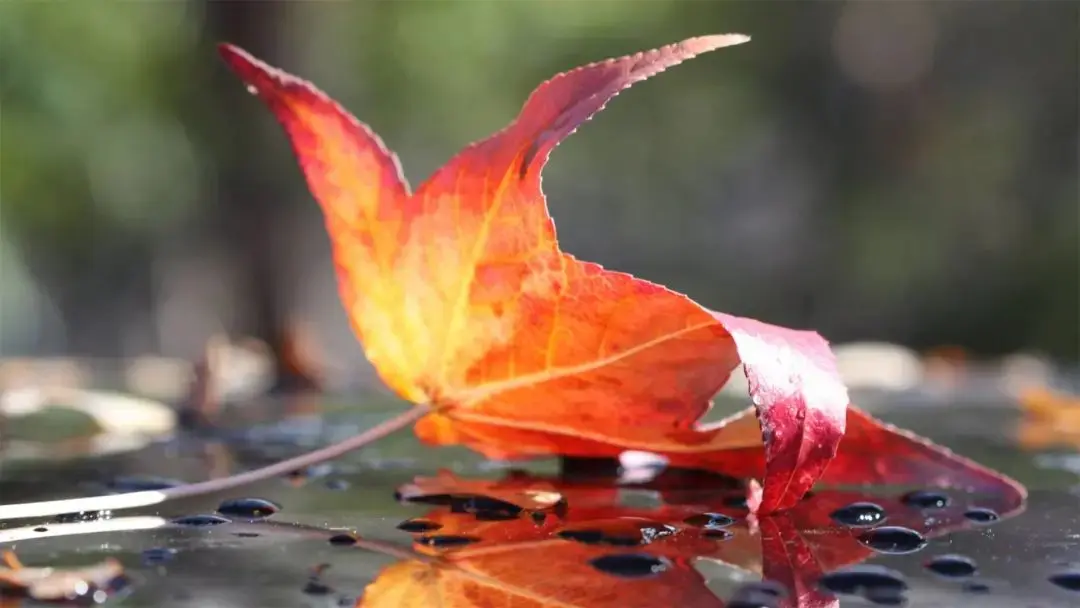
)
(899, 171)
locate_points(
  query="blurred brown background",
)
(901, 171)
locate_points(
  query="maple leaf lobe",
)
(463, 299)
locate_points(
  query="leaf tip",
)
(232, 54)
(256, 73)
(716, 41)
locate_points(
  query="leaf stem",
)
(129, 500)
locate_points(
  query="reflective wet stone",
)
(248, 508)
(710, 520)
(765, 594)
(418, 525)
(342, 539)
(893, 539)
(200, 520)
(142, 483)
(157, 555)
(859, 514)
(1067, 580)
(952, 566)
(630, 565)
(926, 499)
(446, 541)
(718, 534)
(875, 583)
(981, 516)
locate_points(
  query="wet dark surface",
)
(322, 536)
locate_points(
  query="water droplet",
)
(859, 514)
(315, 471)
(1067, 580)
(619, 533)
(718, 534)
(248, 508)
(494, 516)
(981, 516)
(630, 565)
(200, 520)
(482, 507)
(316, 587)
(864, 580)
(893, 539)
(952, 566)
(438, 500)
(157, 555)
(711, 521)
(974, 587)
(81, 516)
(251, 89)
(926, 499)
(589, 537)
(342, 539)
(485, 508)
(337, 484)
(765, 594)
(885, 597)
(418, 525)
(446, 541)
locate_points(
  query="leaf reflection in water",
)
(587, 550)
